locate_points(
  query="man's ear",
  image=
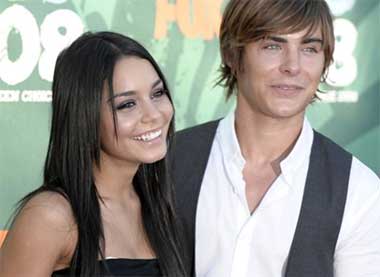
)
(234, 60)
(227, 58)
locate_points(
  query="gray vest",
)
(312, 250)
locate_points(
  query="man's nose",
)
(291, 62)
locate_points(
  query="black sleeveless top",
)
(123, 267)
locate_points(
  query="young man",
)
(259, 192)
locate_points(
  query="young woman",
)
(105, 206)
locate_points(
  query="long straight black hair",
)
(74, 149)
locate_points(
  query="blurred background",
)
(183, 37)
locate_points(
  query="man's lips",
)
(287, 87)
(287, 90)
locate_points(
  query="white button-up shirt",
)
(230, 241)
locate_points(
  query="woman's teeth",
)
(148, 136)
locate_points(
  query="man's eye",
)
(272, 47)
(126, 105)
(310, 50)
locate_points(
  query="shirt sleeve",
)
(358, 247)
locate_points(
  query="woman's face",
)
(143, 114)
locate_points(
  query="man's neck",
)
(264, 139)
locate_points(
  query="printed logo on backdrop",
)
(29, 48)
(30, 42)
(343, 72)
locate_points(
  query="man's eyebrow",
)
(312, 40)
(276, 39)
(304, 41)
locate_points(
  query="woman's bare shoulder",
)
(51, 207)
(41, 236)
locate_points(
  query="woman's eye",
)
(158, 93)
(126, 105)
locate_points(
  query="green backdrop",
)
(183, 36)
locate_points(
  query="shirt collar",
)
(299, 154)
(226, 135)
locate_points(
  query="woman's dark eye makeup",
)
(125, 105)
(158, 93)
(130, 103)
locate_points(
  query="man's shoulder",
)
(359, 170)
(193, 140)
(200, 128)
(363, 178)
(201, 131)
(331, 144)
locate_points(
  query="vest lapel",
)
(313, 246)
(189, 156)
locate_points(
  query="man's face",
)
(280, 74)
